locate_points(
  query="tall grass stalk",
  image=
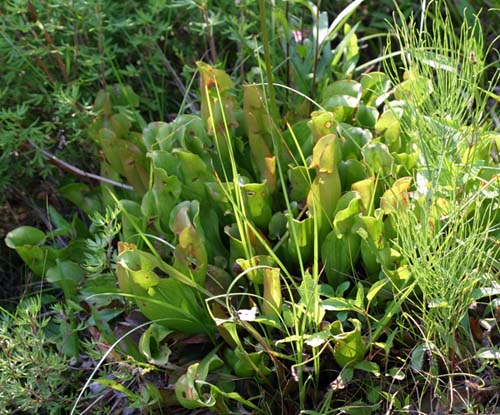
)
(444, 236)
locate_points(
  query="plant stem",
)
(267, 60)
(316, 52)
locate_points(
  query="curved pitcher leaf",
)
(121, 273)
(151, 347)
(351, 171)
(190, 388)
(396, 198)
(366, 189)
(246, 364)
(131, 212)
(349, 206)
(339, 256)
(389, 125)
(258, 203)
(190, 253)
(353, 140)
(350, 347)
(321, 124)
(326, 187)
(273, 300)
(165, 300)
(237, 246)
(189, 131)
(217, 101)
(375, 88)
(194, 174)
(300, 241)
(300, 178)
(378, 158)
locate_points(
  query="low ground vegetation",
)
(311, 230)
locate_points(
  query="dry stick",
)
(210, 34)
(75, 40)
(177, 80)
(76, 171)
(50, 41)
(99, 44)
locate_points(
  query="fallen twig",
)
(75, 170)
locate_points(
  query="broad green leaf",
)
(27, 241)
(256, 275)
(317, 339)
(366, 116)
(131, 214)
(66, 274)
(120, 125)
(189, 131)
(158, 136)
(342, 93)
(370, 367)
(399, 277)
(405, 163)
(158, 202)
(299, 139)
(375, 289)
(369, 258)
(338, 304)
(277, 225)
(167, 300)
(24, 235)
(246, 364)
(415, 89)
(82, 196)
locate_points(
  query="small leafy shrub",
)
(35, 377)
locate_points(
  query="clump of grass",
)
(448, 260)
